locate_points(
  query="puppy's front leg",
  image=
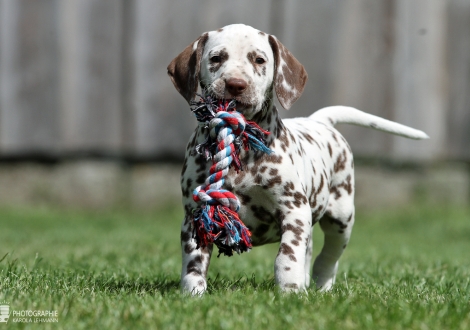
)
(289, 266)
(195, 261)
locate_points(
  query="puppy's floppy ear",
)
(184, 69)
(290, 76)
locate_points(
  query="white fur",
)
(347, 115)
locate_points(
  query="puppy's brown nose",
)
(235, 86)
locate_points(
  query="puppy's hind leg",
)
(195, 262)
(336, 224)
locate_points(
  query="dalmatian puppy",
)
(308, 179)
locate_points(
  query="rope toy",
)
(216, 219)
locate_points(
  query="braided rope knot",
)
(217, 221)
(224, 128)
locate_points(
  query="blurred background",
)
(89, 118)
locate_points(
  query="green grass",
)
(404, 269)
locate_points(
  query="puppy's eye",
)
(259, 60)
(216, 59)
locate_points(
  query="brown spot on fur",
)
(291, 286)
(286, 249)
(289, 205)
(296, 243)
(307, 136)
(215, 66)
(333, 134)
(201, 178)
(193, 267)
(292, 137)
(299, 199)
(274, 181)
(262, 214)
(283, 138)
(273, 159)
(289, 186)
(334, 190)
(201, 162)
(239, 178)
(346, 185)
(316, 215)
(260, 230)
(185, 166)
(269, 117)
(258, 68)
(189, 183)
(245, 199)
(254, 169)
(188, 248)
(314, 193)
(292, 257)
(185, 236)
(296, 230)
(330, 150)
(340, 163)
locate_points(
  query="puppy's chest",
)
(258, 188)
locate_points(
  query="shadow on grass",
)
(80, 280)
(17, 278)
(138, 286)
(244, 282)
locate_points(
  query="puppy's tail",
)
(346, 115)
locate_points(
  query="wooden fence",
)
(84, 77)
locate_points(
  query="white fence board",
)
(29, 77)
(458, 44)
(420, 75)
(91, 75)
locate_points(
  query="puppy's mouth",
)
(243, 102)
(242, 107)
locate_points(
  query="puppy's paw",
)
(193, 285)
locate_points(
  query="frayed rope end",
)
(217, 224)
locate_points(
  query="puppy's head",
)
(239, 62)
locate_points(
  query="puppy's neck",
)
(268, 119)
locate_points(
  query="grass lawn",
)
(404, 269)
